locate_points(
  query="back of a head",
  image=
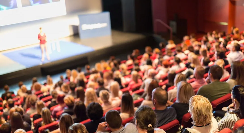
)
(80, 93)
(54, 94)
(20, 84)
(72, 86)
(90, 96)
(65, 88)
(220, 54)
(39, 106)
(216, 72)
(19, 110)
(127, 104)
(10, 103)
(160, 95)
(177, 60)
(146, 118)
(80, 110)
(65, 122)
(77, 128)
(179, 77)
(113, 119)
(184, 92)
(206, 61)
(69, 101)
(5, 128)
(94, 111)
(20, 131)
(114, 88)
(153, 84)
(178, 49)
(32, 100)
(201, 110)
(60, 98)
(16, 121)
(37, 86)
(6, 87)
(104, 95)
(34, 80)
(191, 48)
(151, 73)
(100, 82)
(237, 68)
(171, 77)
(237, 46)
(199, 72)
(46, 116)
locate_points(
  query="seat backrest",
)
(239, 123)
(58, 114)
(138, 92)
(224, 79)
(191, 80)
(53, 107)
(37, 121)
(127, 120)
(138, 102)
(221, 102)
(227, 68)
(226, 130)
(49, 98)
(85, 121)
(180, 70)
(171, 127)
(52, 126)
(38, 92)
(186, 120)
(163, 83)
(136, 86)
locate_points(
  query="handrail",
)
(164, 24)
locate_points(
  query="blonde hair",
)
(20, 131)
(98, 67)
(91, 85)
(117, 74)
(184, 92)
(81, 76)
(220, 62)
(44, 89)
(156, 51)
(201, 110)
(23, 88)
(195, 61)
(135, 76)
(108, 75)
(49, 80)
(123, 67)
(170, 42)
(68, 72)
(179, 77)
(104, 95)
(74, 74)
(90, 96)
(46, 116)
(145, 57)
(39, 106)
(69, 100)
(114, 89)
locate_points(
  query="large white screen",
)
(18, 11)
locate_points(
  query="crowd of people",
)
(173, 80)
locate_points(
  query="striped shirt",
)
(228, 121)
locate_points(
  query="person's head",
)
(104, 95)
(145, 119)
(201, 110)
(235, 47)
(54, 94)
(127, 105)
(152, 85)
(204, 52)
(10, 103)
(49, 81)
(117, 74)
(20, 131)
(113, 120)
(178, 49)
(171, 77)
(68, 73)
(184, 92)
(220, 63)
(179, 77)
(19, 110)
(177, 60)
(159, 97)
(236, 72)
(90, 96)
(60, 99)
(65, 88)
(72, 86)
(46, 116)
(236, 31)
(80, 110)
(170, 42)
(65, 122)
(215, 73)
(169, 52)
(134, 76)
(80, 93)
(148, 49)
(69, 101)
(87, 68)
(23, 88)
(195, 60)
(220, 54)
(205, 61)
(20, 84)
(5, 128)
(94, 111)
(99, 67)
(114, 89)
(77, 128)
(74, 74)
(16, 121)
(79, 69)
(6, 88)
(108, 76)
(199, 72)
(151, 73)
(37, 86)
(39, 106)
(191, 48)
(32, 100)
(34, 80)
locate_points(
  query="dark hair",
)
(5, 128)
(146, 118)
(191, 48)
(80, 93)
(72, 86)
(6, 87)
(239, 130)
(171, 77)
(34, 80)
(221, 54)
(160, 95)
(87, 67)
(113, 119)
(65, 122)
(80, 110)
(149, 62)
(205, 61)
(177, 60)
(197, 52)
(94, 111)
(178, 49)
(16, 122)
(20, 84)
(216, 71)
(127, 104)
(119, 82)
(81, 83)
(153, 84)
(60, 98)
(237, 46)
(236, 72)
(100, 82)
(10, 103)
(79, 69)
(238, 94)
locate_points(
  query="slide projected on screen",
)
(18, 11)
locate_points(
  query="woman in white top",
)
(201, 113)
(127, 106)
(235, 53)
(107, 105)
(115, 93)
(236, 74)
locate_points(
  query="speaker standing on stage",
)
(42, 38)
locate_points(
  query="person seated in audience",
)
(69, 102)
(45, 92)
(184, 93)
(173, 93)
(170, 44)
(135, 53)
(220, 54)
(235, 111)
(155, 54)
(77, 128)
(144, 59)
(177, 64)
(7, 93)
(115, 93)
(46, 119)
(135, 79)
(34, 80)
(162, 45)
(95, 114)
(22, 91)
(36, 87)
(54, 99)
(17, 122)
(81, 82)
(221, 63)
(32, 102)
(72, 87)
(118, 78)
(163, 68)
(136, 66)
(20, 131)
(148, 50)
(107, 105)
(194, 62)
(39, 106)
(203, 53)
(10, 104)
(74, 76)
(92, 85)
(164, 114)
(205, 63)
(190, 52)
(215, 89)
(80, 94)
(130, 60)
(199, 78)
(90, 96)
(148, 100)
(236, 76)
(171, 77)
(108, 79)
(123, 70)
(65, 122)
(235, 53)
(179, 52)
(65, 89)
(127, 109)
(150, 75)
(25, 117)
(88, 71)
(201, 113)
(101, 86)
(168, 54)
(236, 35)
(49, 82)
(5, 128)
(80, 112)
(61, 105)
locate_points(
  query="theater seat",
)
(38, 93)
(221, 102)
(180, 70)
(85, 121)
(171, 88)
(31, 116)
(191, 80)
(53, 107)
(138, 102)
(52, 126)
(225, 130)
(163, 83)
(127, 120)
(186, 121)
(29, 132)
(46, 99)
(136, 86)
(224, 79)
(138, 92)
(172, 127)
(227, 68)
(239, 123)
(37, 121)
(124, 90)
(58, 114)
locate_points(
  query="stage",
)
(25, 62)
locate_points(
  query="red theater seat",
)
(37, 121)
(138, 102)
(38, 93)
(136, 86)
(127, 120)
(221, 102)
(29, 132)
(172, 127)
(186, 120)
(52, 126)
(224, 79)
(171, 88)
(46, 99)
(191, 80)
(124, 90)
(163, 83)
(205, 75)
(53, 107)
(225, 130)
(180, 70)
(59, 114)
(138, 92)
(85, 121)
(239, 123)
(227, 68)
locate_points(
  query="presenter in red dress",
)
(43, 45)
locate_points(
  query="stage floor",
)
(30, 56)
